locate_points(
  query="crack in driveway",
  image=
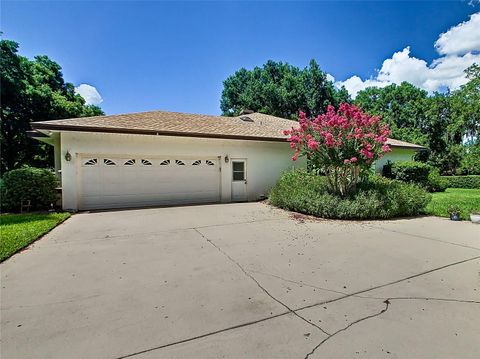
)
(156, 232)
(293, 311)
(71, 300)
(387, 302)
(346, 295)
(258, 283)
(300, 283)
(203, 335)
(203, 310)
(391, 283)
(422, 298)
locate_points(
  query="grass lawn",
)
(467, 199)
(19, 230)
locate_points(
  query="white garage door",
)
(112, 182)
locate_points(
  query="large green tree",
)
(32, 90)
(466, 106)
(444, 138)
(280, 89)
(401, 106)
(466, 110)
(448, 124)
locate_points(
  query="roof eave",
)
(412, 147)
(133, 131)
(36, 134)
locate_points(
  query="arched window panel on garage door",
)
(209, 163)
(179, 162)
(130, 162)
(90, 162)
(196, 163)
(109, 162)
(146, 162)
(165, 163)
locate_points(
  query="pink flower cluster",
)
(351, 160)
(346, 136)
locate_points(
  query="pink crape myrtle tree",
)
(343, 144)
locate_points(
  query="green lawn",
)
(467, 199)
(19, 230)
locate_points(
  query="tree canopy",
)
(280, 89)
(32, 90)
(466, 105)
(401, 106)
(448, 124)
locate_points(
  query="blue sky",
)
(174, 55)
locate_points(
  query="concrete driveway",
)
(243, 281)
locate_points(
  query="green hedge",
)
(436, 183)
(35, 184)
(463, 181)
(379, 197)
(416, 172)
(411, 171)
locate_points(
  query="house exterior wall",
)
(265, 161)
(397, 154)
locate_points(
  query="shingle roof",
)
(259, 127)
(398, 143)
(263, 127)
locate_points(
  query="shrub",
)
(435, 182)
(342, 144)
(28, 183)
(462, 181)
(376, 197)
(416, 172)
(411, 171)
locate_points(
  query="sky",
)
(132, 56)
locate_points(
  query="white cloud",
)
(355, 84)
(403, 67)
(89, 93)
(448, 71)
(330, 78)
(460, 39)
(460, 45)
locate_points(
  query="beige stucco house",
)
(164, 158)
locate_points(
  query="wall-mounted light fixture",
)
(226, 159)
(68, 156)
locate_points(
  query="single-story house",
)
(164, 158)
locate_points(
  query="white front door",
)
(239, 180)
